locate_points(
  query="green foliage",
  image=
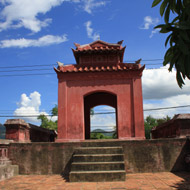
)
(163, 120)
(114, 136)
(92, 112)
(97, 136)
(47, 123)
(151, 122)
(178, 54)
(54, 110)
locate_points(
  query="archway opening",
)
(103, 122)
(94, 100)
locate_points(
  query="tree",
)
(54, 110)
(114, 136)
(92, 111)
(163, 120)
(48, 123)
(151, 122)
(97, 136)
(178, 54)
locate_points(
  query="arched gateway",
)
(99, 78)
(96, 99)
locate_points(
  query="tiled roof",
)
(167, 123)
(98, 46)
(91, 68)
(100, 49)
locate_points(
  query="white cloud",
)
(160, 89)
(173, 101)
(154, 32)
(89, 30)
(43, 41)
(149, 21)
(29, 105)
(25, 13)
(160, 84)
(89, 5)
(103, 121)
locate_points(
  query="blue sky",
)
(43, 32)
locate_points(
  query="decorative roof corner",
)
(142, 68)
(60, 64)
(56, 70)
(77, 45)
(120, 42)
(138, 61)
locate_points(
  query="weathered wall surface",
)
(156, 155)
(41, 158)
(140, 156)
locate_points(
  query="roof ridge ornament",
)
(77, 45)
(138, 61)
(120, 42)
(60, 64)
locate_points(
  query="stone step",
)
(97, 157)
(5, 162)
(101, 143)
(97, 166)
(8, 171)
(97, 176)
(99, 150)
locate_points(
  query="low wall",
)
(156, 155)
(140, 156)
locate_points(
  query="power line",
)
(33, 74)
(26, 70)
(23, 115)
(144, 60)
(152, 109)
(5, 71)
(101, 113)
(152, 59)
(165, 108)
(154, 64)
(23, 66)
(14, 110)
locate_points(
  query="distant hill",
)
(98, 131)
(106, 133)
(2, 131)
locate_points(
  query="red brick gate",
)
(99, 78)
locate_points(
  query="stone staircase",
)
(7, 170)
(94, 164)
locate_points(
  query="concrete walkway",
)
(144, 181)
